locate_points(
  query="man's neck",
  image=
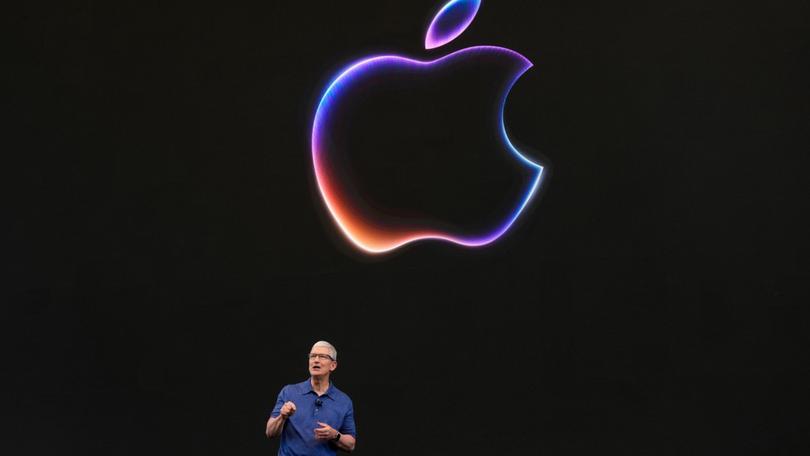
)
(320, 384)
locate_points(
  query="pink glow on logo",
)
(365, 233)
(450, 22)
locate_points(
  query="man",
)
(313, 417)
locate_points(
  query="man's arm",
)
(346, 442)
(348, 431)
(327, 433)
(276, 424)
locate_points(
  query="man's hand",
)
(276, 424)
(325, 432)
(287, 410)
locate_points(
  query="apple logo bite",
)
(371, 228)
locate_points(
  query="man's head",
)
(322, 359)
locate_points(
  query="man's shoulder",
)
(340, 395)
(296, 387)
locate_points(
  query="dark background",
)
(167, 261)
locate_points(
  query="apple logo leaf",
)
(450, 22)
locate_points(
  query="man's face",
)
(320, 361)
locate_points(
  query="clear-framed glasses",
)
(321, 356)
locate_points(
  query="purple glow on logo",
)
(361, 230)
(451, 21)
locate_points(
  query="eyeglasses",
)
(320, 356)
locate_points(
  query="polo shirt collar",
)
(307, 388)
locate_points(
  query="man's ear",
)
(334, 366)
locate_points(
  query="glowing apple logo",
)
(366, 228)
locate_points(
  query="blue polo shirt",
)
(333, 408)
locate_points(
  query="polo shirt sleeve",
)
(282, 398)
(347, 427)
